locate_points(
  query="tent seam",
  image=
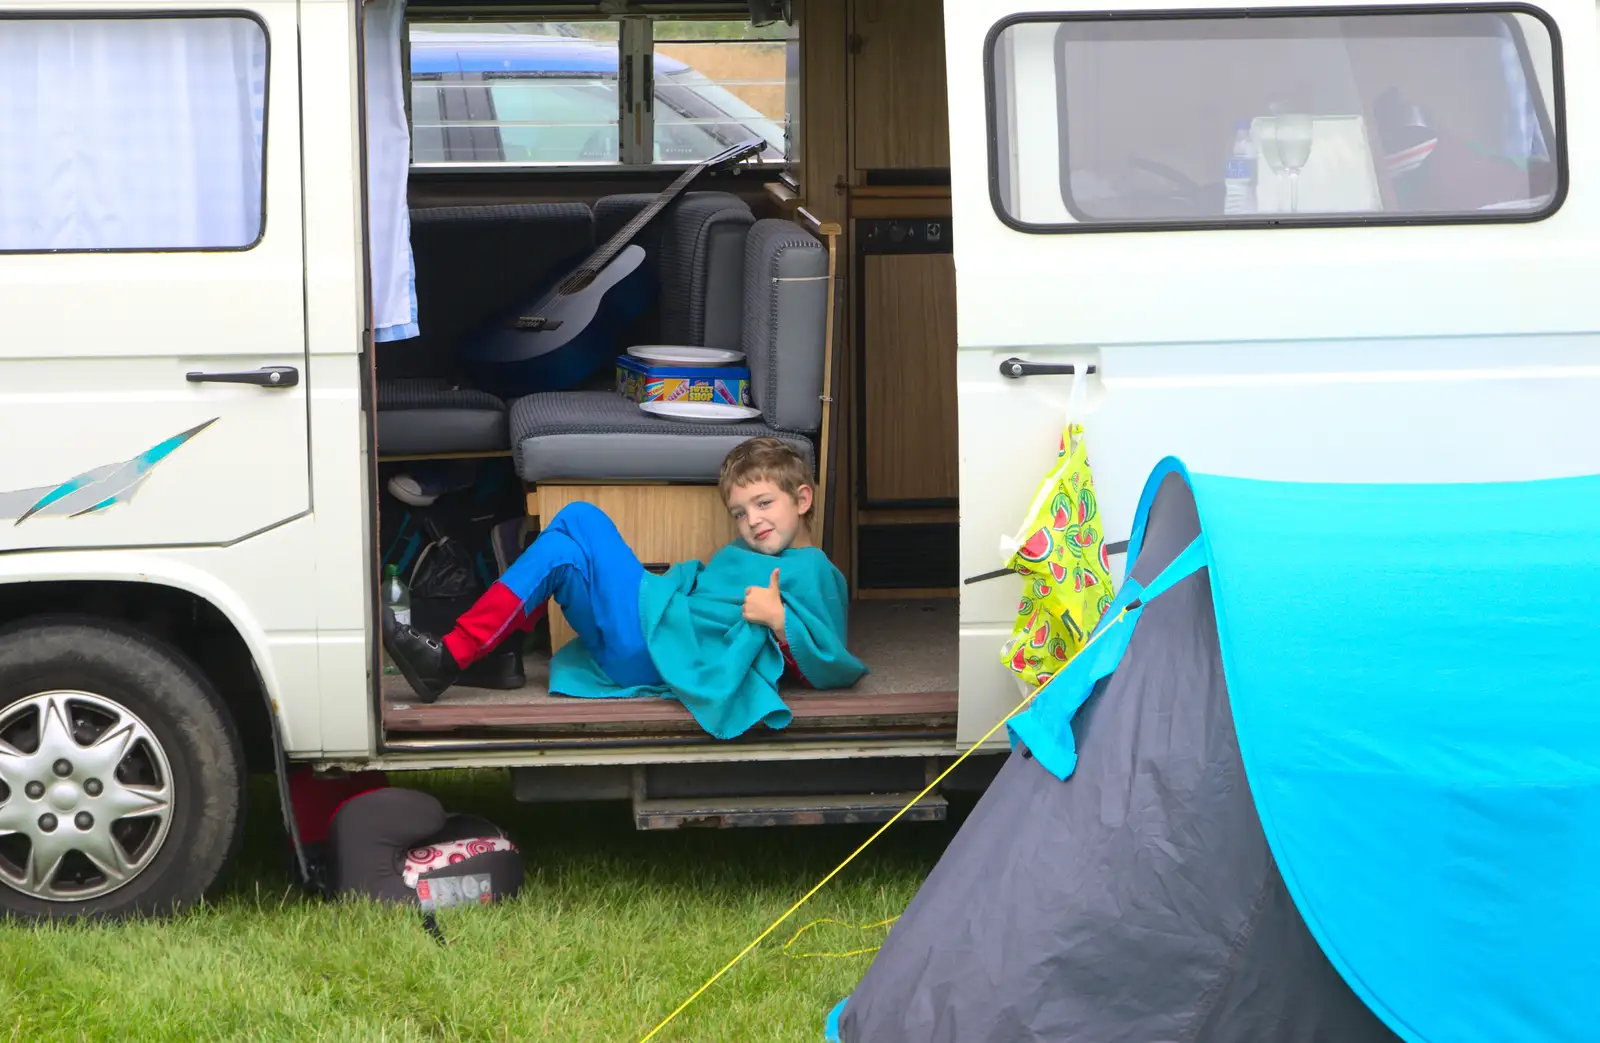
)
(1246, 932)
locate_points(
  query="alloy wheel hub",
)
(85, 796)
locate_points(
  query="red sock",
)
(483, 626)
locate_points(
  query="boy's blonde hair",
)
(765, 460)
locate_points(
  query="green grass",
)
(613, 929)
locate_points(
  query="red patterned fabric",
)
(791, 669)
(436, 856)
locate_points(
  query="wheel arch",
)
(185, 607)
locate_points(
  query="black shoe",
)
(425, 662)
(500, 670)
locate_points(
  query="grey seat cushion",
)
(424, 415)
(472, 263)
(599, 436)
(785, 323)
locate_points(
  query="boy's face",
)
(769, 519)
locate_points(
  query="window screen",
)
(1415, 115)
(131, 133)
(531, 92)
(718, 84)
(548, 93)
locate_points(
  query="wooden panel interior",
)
(823, 172)
(662, 523)
(824, 27)
(910, 378)
(901, 112)
(829, 232)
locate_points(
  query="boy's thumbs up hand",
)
(764, 605)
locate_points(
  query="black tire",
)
(196, 737)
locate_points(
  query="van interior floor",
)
(910, 648)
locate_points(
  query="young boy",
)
(717, 636)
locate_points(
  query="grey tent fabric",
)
(1137, 902)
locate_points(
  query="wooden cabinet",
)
(909, 378)
(663, 524)
(900, 113)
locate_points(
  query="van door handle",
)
(266, 376)
(1016, 368)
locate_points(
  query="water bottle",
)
(1239, 179)
(396, 597)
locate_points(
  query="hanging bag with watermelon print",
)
(1060, 553)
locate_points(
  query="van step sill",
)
(546, 715)
(834, 809)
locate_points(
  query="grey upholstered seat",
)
(702, 270)
(420, 416)
(601, 436)
(472, 263)
(696, 249)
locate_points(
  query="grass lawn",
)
(612, 931)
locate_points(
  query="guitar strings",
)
(590, 268)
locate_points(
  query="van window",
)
(547, 93)
(718, 84)
(131, 133)
(543, 92)
(1280, 117)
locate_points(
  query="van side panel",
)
(1443, 352)
(246, 583)
(107, 441)
(335, 321)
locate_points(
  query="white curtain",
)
(131, 133)
(394, 281)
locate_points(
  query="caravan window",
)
(1277, 117)
(550, 94)
(132, 133)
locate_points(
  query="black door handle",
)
(1014, 368)
(266, 376)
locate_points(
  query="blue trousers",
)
(581, 560)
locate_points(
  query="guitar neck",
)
(585, 273)
(603, 256)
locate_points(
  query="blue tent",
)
(1329, 771)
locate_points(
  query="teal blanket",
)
(723, 669)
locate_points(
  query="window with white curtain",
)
(144, 133)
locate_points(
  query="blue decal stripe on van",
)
(96, 489)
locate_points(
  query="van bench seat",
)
(600, 436)
(424, 415)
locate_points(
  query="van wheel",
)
(121, 777)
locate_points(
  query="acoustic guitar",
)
(568, 331)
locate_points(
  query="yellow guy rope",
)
(833, 955)
(864, 844)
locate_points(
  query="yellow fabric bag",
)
(1061, 555)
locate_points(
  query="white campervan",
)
(248, 250)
